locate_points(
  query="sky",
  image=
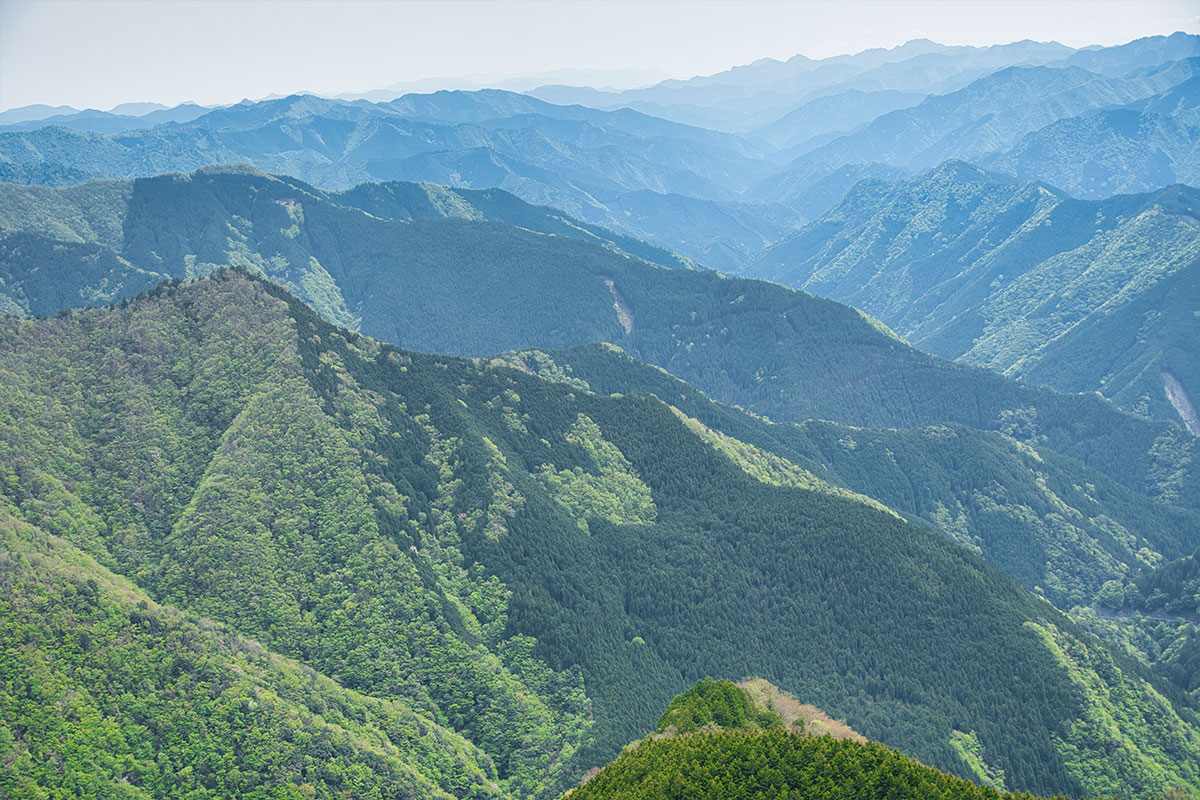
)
(98, 53)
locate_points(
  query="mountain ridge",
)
(1083, 295)
(485, 474)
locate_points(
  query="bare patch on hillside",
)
(814, 721)
(1178, 398)
(624, 312)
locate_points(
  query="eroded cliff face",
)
(1178, 398)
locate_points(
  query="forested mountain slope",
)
(1156, 616)
(476, 288)
(1081, 295)
(109, 694)
(488, 547)
(1138, 148)
(1048, 522)
(180, 443)
(1000, 505)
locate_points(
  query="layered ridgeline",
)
(1080, 295)
(1106, 120)
(719, 739)
(473, 287)
(533, 566)
(756, 97)
(1098, 134)
(1138, 148)
(1057, 527)
(672, 184)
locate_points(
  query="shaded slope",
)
(1048, 522)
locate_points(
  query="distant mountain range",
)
(1139, 148)
(1095, 123)
(1081, 295)
(1005, 110)
(577, 159)
(125, 117)
(743, 97)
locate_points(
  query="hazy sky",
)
(97, 53)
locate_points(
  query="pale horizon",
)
(215, 52)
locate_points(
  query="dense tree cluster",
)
(715, 742)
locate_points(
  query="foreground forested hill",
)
(530, 565)
(108, 694)
(714, 740)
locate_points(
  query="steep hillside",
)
(1140, 148)
(1053, 525)
(484, 287)
(181, 444)
(1156, 617)
(487, 546)
(1081, 295)
(109, 694)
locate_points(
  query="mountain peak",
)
(238, 168)
(963, 172)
